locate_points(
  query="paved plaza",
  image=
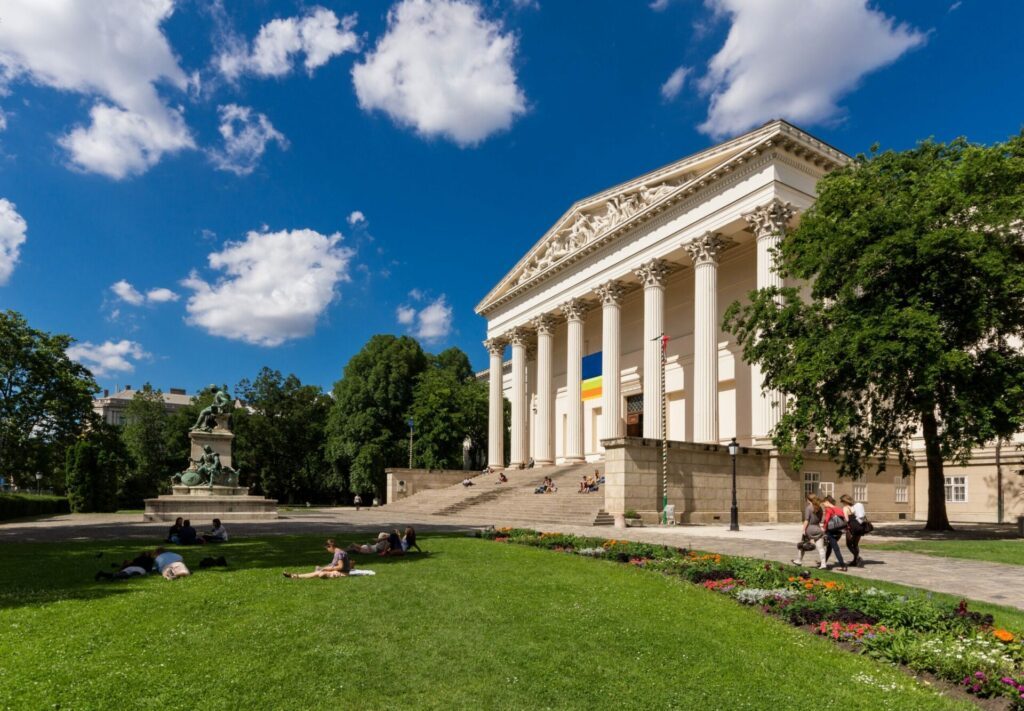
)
(977, 580)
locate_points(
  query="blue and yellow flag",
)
(592, 376)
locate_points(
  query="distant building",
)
(112, 406)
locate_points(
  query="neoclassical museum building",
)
(650, 263)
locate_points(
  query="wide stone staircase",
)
(515, 501)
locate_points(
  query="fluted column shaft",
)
(519, 444)
(574, 381)
(611, 359)
(652, 276)
(769, 225)
(704, 251)
(544, 438)
(496, 406)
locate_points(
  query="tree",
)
(449, 404)
(914, 263)
(145, 438)
(45, 397)
(93, 466)
(280, 437)
(366, 429)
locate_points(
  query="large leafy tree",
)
(366, 429)
(280, 437)
(145, 437)
(449, 404)
(94, 464)
(912, 319)
(45, 397)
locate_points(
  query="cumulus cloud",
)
(795, 59)
(442, 69)
(113, 51)
(356, 217)
(659, 5)
(319, 35)
(127, 293)
(431, 323)
(274, 288)
(161, 295)
(12, 235)
(108, 357)
(674, 84)
(246, 135)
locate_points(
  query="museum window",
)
(827, 488)
(902, 495)
(860, 492)
(956, 489)
(812, 480)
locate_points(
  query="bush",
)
(91, 478)
(21, 505)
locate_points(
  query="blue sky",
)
(194, 190)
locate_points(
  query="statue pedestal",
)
(219, 440)
(203, 503)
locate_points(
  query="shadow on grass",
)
(42, 573)
(960, 532)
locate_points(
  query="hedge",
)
(21, 505)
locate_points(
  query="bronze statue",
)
(207, 471)
(221, 405)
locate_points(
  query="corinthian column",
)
(544, 436)
(517, 337)
(768, 224)
(652, 275)
(495, 405)
(610, 294)
(704, 251)
(573, 311)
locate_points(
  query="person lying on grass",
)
(380, 546)
(339, 567)
(139, 565)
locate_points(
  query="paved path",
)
(991, 582)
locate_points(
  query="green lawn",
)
(999, 551)
(472, 624)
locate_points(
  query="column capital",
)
(495, 346)
(610, 293)
(574, 309)
(653, 273)
(518, 336)
(770, 220)
(544, 324)
(707, 248)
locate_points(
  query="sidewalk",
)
(977, 580)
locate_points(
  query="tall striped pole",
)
(664, 434)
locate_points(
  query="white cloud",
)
(442, 69)
(795, 59)
(127, 293)
(674, 84)
(113, 50)
(434, 321)
(108, 357)
(3, 120)
(415, 294)
(405, 315)
(161, 296)
(246, 135)
(659, 5)
(275, 286)
(355, 217)
(12, 235)
(320, 35)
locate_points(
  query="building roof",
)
(175, 397)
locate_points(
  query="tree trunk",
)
(937, 518)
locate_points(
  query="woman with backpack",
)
(857, 519)
(835, 526)
(814, 535)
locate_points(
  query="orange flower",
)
(809, 586)
(1004, 635)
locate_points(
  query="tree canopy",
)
(145, 436)
(45, 397)
(913, 317)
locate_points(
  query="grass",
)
(1010, 551)
(471, 624)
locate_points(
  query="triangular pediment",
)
(594, 219)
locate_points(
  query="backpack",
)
(836, 521)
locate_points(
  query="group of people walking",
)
(825, 522)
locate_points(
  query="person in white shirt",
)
(219, 534)
(857, 518)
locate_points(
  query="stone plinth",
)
(219, 440)
(228, 503)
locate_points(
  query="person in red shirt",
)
(835, 526)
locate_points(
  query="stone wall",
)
(768, 487)
(406, 482)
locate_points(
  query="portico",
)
(664, 253)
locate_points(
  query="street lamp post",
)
(39, 482)
(411, 423)
(734, 512)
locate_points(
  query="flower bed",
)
(954, 643)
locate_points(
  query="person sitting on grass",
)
(187, 535)
(394, 544)
(380, 546)
(409, 540)
(172, 535)
(170, 564)
(139, 565)
(339, 567)
(219, 534)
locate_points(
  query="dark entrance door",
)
(635, 416)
